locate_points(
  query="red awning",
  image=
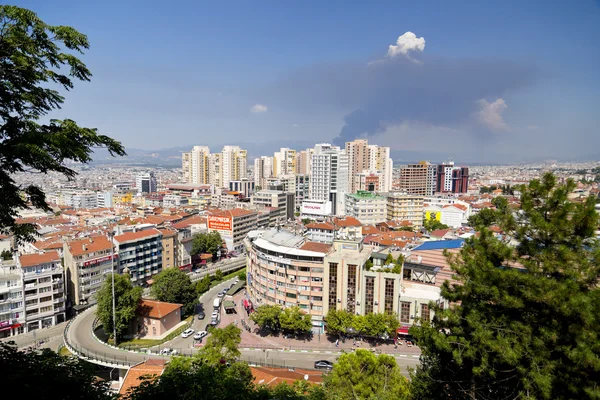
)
(9, 327)
(245, 303)
(403, 330)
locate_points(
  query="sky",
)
(474, 81)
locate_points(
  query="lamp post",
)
(111, 235)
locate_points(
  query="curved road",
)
(79, 337)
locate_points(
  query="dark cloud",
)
(387, 92)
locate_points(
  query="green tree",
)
(218, 275)
(242, 275)
(128, 299)
(47, 375)
(6, 255)
(207, 243)
(486, 217)
(364, 375)
(339, 322)
(369, 264)
(34, 60)
(203, 285)
(222, 345)
(294, 319)
(529, 332)
(306, 221)
(267, 316)
(433, 224)
(174, 286)
(389, 259)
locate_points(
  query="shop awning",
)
(403, 330)
(236, 288)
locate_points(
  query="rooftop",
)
(274, 376)
(365, 195)
(441, 244)
(157, 309)
(152, 367)
(30, 260)
(137, 235)
(236, 212)
(89, 245)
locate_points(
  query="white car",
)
(200, 335)
(165, 352)
(214, 315)
(187, 333)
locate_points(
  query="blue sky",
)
(479, 80)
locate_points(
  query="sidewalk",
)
(44, 334)
(319, 342)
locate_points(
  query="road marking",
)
(415, 356)
(246, 348)
(304, 351)
(316, 351)
(402, 355)
(328, 352)
(293, 351)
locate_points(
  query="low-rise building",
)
(140, 254)
(44, 289)
(12, 311)
(87, 263)
(367, 207)
(155, 318)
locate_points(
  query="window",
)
(389, 296)
(350, 304)
(369, 294)
(425, 312)
(405, 312)
(333, 267)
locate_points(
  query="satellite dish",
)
(305, 377)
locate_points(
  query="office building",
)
(367, 207)
(140, 254)
(329, 178)
(402, 206)
(146, 183)
(419, 179)
(87, 263)
(277, 199)
(451, 179)
(44, 289)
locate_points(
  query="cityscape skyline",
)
(405, 77)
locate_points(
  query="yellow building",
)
(122, 198)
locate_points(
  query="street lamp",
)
(111, 235)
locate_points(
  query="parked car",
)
(221, 294)
(174, 352)
(187, 333)
(215, 314)
(200, 335)
(165, 352)
(323, 364)
(201, 315)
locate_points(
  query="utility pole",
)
(111, 235)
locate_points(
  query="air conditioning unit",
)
(339, 300)
(376, 302)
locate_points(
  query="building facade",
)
(284, 162)
(244, 186)
(367, 207)
(12, 304)
(329, 177)
(233, 225)
(277, 199)
(140, 254)
(402, 206)
(146, 183)
(419, 179)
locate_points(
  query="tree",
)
(369, 264)
(389, 259)
(174, 286)
(47, 375)
(203, 285)
(363, 375)
(222, 345)
(6, 255)
(433, 224)
(306, 221)
(339, 322)
(218, 275)
(33, 59)
(294, 319)
(267, 316)
(528, 324)
(242, 275)
(128, 299)
(207, 243)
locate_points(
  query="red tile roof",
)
(236, 212)
(346, 222)
(132, 236)
(274, 376)
(327, 226)
(318, 247)
(157, 309)
(152, 368)
(89, 245)
(29, 260)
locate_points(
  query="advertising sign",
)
(220, 223)
(98, 260)
(316, 208)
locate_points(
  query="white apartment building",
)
(87, 262)
(140, 254)
(233, 164)
(367, 207)
(104, 199)
(12, 311)
(263, 169)
(304, 161)
(329, 177)
(81, 199)
(402, 206)
(284, 162)
(44, 289)
(146, 183)
(174, 200)
(195, 165)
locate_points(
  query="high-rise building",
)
(263, 169)
(358, 159)
(329, 176)
(418, 178)
(186, 166)
(303, 161)
(364, 158)
(284, 162)
(233, 164)
(381, 162)
(451, 179)
(145, 183)
(195, 165)
(460, 180)
(139, 253)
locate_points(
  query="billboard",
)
(316, 208)
(433, 215)
(220, 223)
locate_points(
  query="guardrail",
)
(224, 266)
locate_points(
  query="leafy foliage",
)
(203, 285)
(296, 320)
(207, 243)
(530, 332)
(267, 316)
(341, 322)
(222, 344)
(32, 63)
(363, 375)
(47, 375)
(433, 224)
(6, 255)
(128, 298)
(242, 276)
(306, 221)
(218, 275)
(174, 286)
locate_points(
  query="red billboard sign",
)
(220, 223)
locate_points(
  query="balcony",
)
(59, 299)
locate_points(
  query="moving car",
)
(187, 333)
(200, 335)
(323, 364)
(201, 315)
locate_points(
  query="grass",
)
(64, 352)
(227, 277)
(138, 343)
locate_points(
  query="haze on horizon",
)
(498, 81)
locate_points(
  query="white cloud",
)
(406, 43)
(259, 108)
(490, 114)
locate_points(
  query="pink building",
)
(155, 318)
